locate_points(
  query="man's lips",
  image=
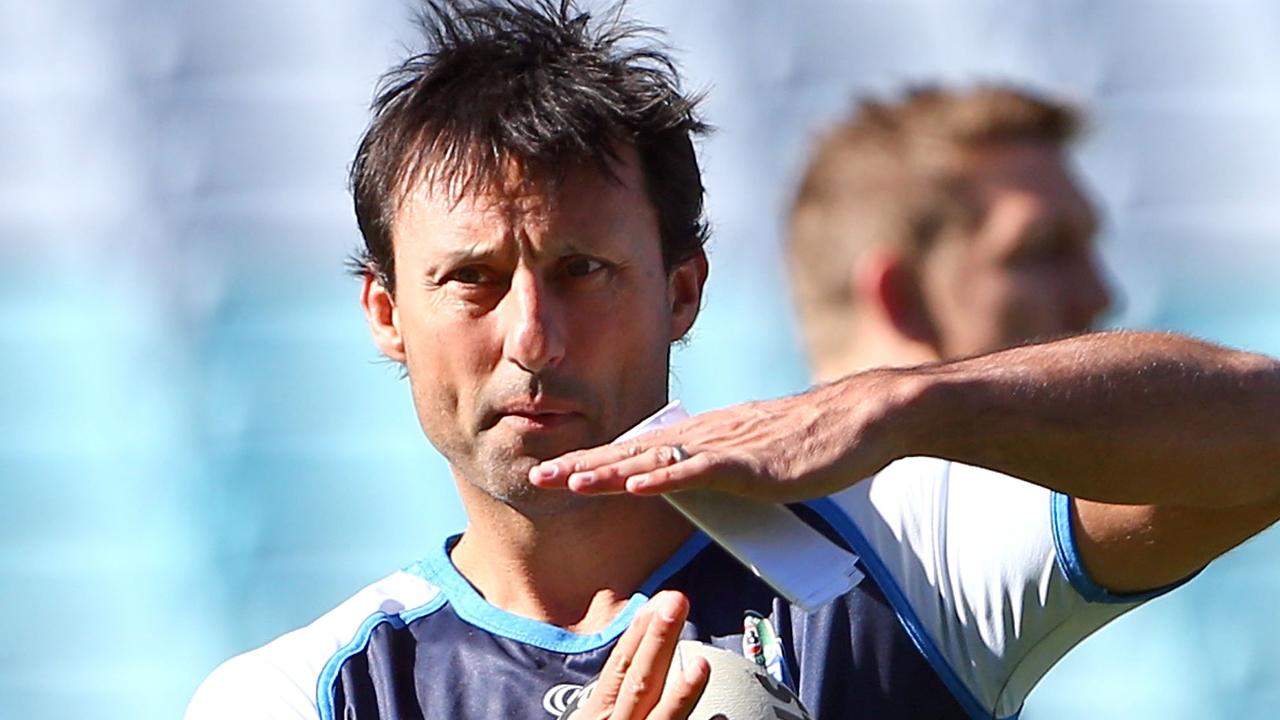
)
(538, 421)
(543, 414)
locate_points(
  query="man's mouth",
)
(537, 420)
(541, 414)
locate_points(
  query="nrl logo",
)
(561, 700)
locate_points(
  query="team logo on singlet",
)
(761, 644)
(561, 700)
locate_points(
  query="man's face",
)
(1028, 270)
(533, 321)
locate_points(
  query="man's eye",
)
(582, 266)
(468, 276)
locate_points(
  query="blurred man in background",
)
(946, 225)
(943, 225)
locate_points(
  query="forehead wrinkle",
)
(531, 209)
(540, 223)
(526, 226)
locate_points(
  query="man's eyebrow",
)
(476, 251)
(481, 251)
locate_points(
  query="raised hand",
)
(634, 683)
(792, 448)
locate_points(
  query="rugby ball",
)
(737, 688)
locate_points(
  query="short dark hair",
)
(538, 82)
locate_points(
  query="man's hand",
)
(1121, 418)
(1169, 446)
(792, 448)
(633, 684)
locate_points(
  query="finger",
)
(643, 686)
(679, 698)
(555, 473)
(612, 478)
(620, 660)
(700, 471)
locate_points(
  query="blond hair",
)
(892, 175)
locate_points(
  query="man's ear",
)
(384, 320)
(684, 293)
(885, 281)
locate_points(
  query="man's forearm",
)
(1118, 417)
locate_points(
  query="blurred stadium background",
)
(200, 449)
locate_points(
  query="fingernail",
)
(582, 480)
(637, 482)
(667, 608)
(546, 471)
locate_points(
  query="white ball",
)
(737, 689)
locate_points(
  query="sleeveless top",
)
(973, 589)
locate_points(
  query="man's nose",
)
(534, 337)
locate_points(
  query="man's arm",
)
(1116, 417)
(1132, 548)
(1170, 446)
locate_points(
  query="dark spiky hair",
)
(540, 83)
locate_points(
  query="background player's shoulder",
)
(280, 679)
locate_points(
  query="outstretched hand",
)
(783, 450)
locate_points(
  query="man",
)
(942, 225)
(531, 208)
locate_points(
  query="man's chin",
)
(534, 447)
(504, 476)
(539, 503)
(533, 502)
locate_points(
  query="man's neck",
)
(576, 568)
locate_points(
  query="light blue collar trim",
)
(439, 570)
